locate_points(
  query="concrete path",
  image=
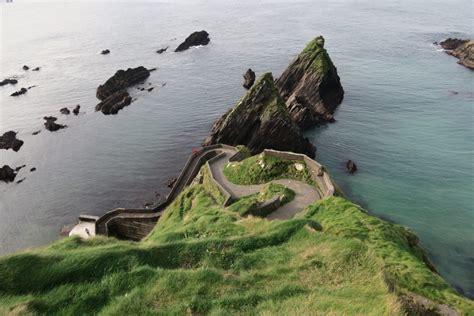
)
(305, 194)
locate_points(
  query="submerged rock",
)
(19, 92)
(171, 182)
(311, 87)
(65, 111)
(51, 124)
(36, 69)
(76, 110)
(260, 120)
(105, 52)
(162, 50)
(351, 166)
(36, 132)
(249, 78)
(461, 49)
(114, 103)
(8, 81)
(7, 174)
(9, 141)
(195, 39)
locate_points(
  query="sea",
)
(406, 119)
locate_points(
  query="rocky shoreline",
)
(462, 49)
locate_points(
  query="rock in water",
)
(105, 52)
(461, 49)
(7, 174)
(36, 69)
(25, 67)
(249, 78)
(8, 81)
(351, 166)
(19, 92)
(311, 87)
(260, 120)
(51, 124)
(76, 110)
(162, 50)
(9, 141)
(121, 80)
(65, 111)
(113, 92)
(114, 103)
(195, 39)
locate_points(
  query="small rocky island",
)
(462, 49)
(9, 141)
(195, 39)
(311, 87)
(259, 121)
(113, 92)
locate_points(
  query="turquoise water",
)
(406, 120)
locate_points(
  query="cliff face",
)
(310, 86)
(260, 120)
(462, 49)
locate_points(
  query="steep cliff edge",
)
(260, 120)
(311, 87)
(461, 49)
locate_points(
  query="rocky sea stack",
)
(461, 49)
(195, 39)
(113, 92)
(259, 121)
(7, 174)
(311, 87)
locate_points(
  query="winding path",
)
(305, 194)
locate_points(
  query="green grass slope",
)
(203, 259)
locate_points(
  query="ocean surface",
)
(406, 120)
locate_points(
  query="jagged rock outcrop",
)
(311, 87)
(195, 39)
(65, 111)
(19, 92)
(9, 141)
(114, 103)
(249, 78)
(113, 92)
(51, 124)
(461, 49)
(7, 174)
(8, 81)
(260, 120)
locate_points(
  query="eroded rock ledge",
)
(259, 121)
(461, 49)
(311, 87)
(113, 92)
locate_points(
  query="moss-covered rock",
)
(260, 121)
(311, 86)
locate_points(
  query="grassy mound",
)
(263, 168)
(202, 259)
(249, 204)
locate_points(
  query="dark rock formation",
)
(105, 52)
(7, 174)
(36, 69)
(260, 120)
(461, 49)
(76, 110)
(311, 87)
(418, 305)
(19, 92)
(35, 132)
(19, 168)
(65, 111)
(33, 169)
(9, 141)
(150, 89)
(195, 39)
(114, 103)
(121, 80)
(113, 92)
(249, 78)
(25, 67)
(171, 181)
(51, 124)
(8, 81)
(351, 166)
(162, 50)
